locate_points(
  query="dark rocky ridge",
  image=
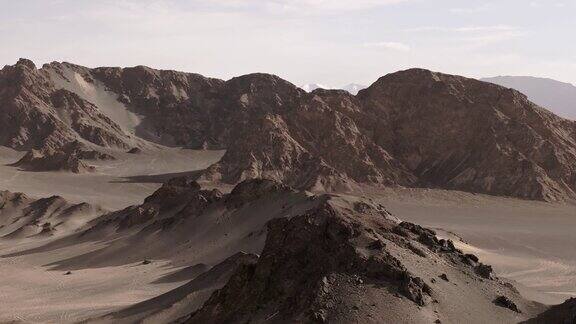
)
(411, 128)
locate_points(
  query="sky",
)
(331, 42)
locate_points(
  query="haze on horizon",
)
(332, 42)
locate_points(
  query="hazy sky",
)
(333, 42)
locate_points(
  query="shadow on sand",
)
(159, 178)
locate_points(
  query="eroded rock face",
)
(310, 141)
(180, 108)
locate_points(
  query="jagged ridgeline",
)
(412, 128)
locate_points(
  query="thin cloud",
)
(396, 46)
(470, 10)
(487, 39)
(540, 4)
(304, 6)
(463, 29)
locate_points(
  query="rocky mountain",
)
(37, 113)
(558, 97)
(470, 135)
(411, 128)
(266, 252)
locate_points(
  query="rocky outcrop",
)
(301, 258)
(52, 160)
(70, 157)
(180, 199)
(505, 302)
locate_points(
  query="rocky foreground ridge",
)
(410, 128)
(287, 256)
(340, 264)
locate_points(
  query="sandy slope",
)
(95, 92)
(525, 241)
(31, 292)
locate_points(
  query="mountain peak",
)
(26, 62)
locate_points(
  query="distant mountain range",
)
(353, 88)
(559, 97)
(313, 86)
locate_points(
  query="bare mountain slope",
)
(414, 128)
(559, 314)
